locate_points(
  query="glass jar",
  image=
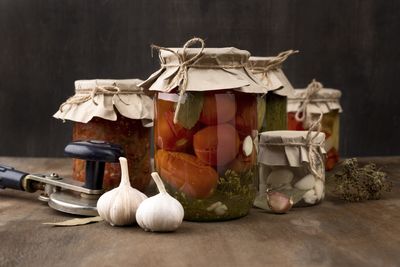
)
(204, 137)
(288, 166)
(272, 106)
(117, 113)
(325, 101)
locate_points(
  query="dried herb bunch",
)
(354, 183)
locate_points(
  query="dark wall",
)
(45, 45)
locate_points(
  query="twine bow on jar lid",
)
(84, 95)
(302, 113)
(273, 62)
(182, 76)
(269, 71)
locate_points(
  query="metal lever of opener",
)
(65, 194)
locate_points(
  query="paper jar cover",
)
(216, 69)
(286, 155)
(101, 98)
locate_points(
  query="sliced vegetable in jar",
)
(186, 173)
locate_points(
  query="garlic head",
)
(118, 206)
(160, 213)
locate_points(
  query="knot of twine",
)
(274, 63)
(315, 159)
(84, 95)
(302, 113)
(181, 78)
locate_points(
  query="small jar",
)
(116, 111)
(292, 163)
(272, 106)
(304, 108)
(204, 132)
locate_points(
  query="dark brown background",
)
(45, 45)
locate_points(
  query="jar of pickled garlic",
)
(292, 164)
(204, 130)
(272, 106)
(116, 111)
(304, 107)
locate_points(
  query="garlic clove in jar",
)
(247, 146)
(319, 188)
(310, 197)
(306, 183)
(160, 213)
(118, 206)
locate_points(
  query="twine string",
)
(84, 95)
(302, 114)
(273, 64)
(181, 77)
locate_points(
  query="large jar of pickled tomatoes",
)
(115, 111)
(272, 107)
(204, 129)
(305, 107)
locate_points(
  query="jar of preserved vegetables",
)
(272, 107)
(204, 129)
(116, 111)
(291, 163)
(304, 107)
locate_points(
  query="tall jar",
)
(115, 111)
(304, 108)
(292, 163)
(205, 127)
(272, 107)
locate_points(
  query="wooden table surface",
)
(333, 233)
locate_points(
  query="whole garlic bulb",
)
(118, 206)
(160, 213)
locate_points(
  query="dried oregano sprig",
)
(354, 183)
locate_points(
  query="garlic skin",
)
(278, 202)
(118, 206)
(160, 213)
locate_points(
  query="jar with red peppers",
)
(272, 107)
(204, 129)
(116, 111)
(304, 108)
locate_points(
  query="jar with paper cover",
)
(272, 106)
(204, 129)
(116, 111)
(291, 166)
(304, 108)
